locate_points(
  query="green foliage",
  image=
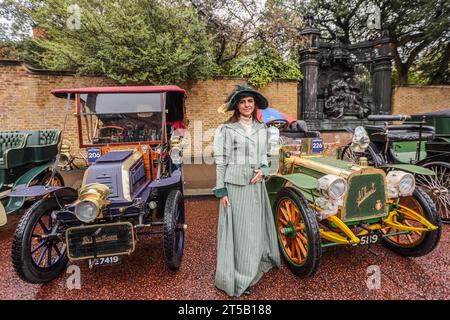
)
(263, 65)
(435, 64)
(137, 41)
(415, 78)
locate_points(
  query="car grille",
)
(100, 240)
(365, 198)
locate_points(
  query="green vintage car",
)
(320, 201)
(26, 158)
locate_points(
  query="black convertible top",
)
(441, 113)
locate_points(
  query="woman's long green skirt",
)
(247, 242)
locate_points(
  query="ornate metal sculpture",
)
(345, 99)
(342, 84)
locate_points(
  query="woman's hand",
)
(225, 201)
(258, 176)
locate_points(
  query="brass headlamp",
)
(92, 198)
(177, 143)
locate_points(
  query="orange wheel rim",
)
(415, 237)
(56, 182)
(292, 231)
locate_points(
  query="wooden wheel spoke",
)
(41, 257)
(302, 237)
(292, 247)
(290, 211)
(49, 256)
(43, 226)
(409, 238)
(302, 248)
(55, 246)
(284, 241)
(293, 213)
(284, 222)
(298, 251)
(40, 245)
(287, 248)
(285, 214)
(287, 208)
(416, 232)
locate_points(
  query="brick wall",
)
(26, 102)
(418, 99)
(204, 97)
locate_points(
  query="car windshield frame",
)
(154, 107)
(114, 98)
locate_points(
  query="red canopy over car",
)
(119, 89)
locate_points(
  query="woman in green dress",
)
(246, 242)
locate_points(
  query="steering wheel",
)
(278, 123)
(119, 131)
(112, 127)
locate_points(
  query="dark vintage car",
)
(422, 140)
(134, 184)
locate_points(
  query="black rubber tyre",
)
(173, 229)
(433, 185)
(22, 257)
(314, 249)
(161, 204)
(430, 239)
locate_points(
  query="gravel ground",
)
(342, 274)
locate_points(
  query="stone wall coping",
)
(10, 62)
(37, 71)
(227, 77)
(423, 87)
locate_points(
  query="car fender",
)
(164, 182)
(15, 203)
(300, 180)
(409, 168)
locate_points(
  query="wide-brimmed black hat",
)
(240, 92)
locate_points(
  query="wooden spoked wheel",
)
(39, 254)
(291, 229)
(297, 232)
(415, 237)
(45, 252)
(57, 180)
(414, 243)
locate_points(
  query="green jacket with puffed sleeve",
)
(238, 154)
